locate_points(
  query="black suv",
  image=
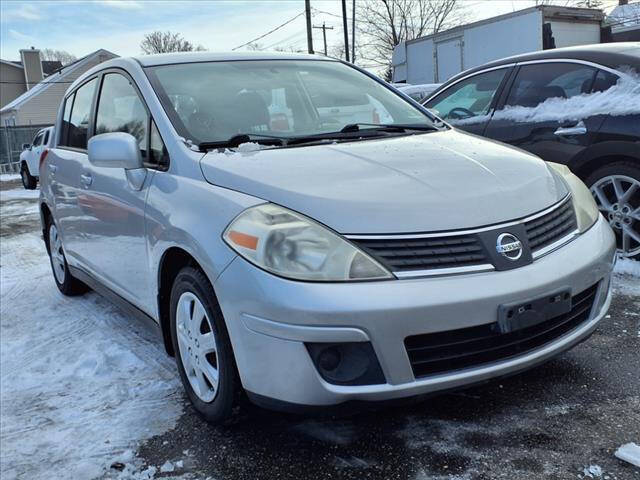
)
(579, 106)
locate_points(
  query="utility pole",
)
(324, 35)
(307, 9)
(346, 30)
(353, 33)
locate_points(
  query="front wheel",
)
(66, 283)
(29, 182)
(203, 351)
(616, 189)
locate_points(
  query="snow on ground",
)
(80, 382)
(8, 177)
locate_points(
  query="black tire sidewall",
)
(617, 168)
(193, 280)
(28, 182)
(71, 285)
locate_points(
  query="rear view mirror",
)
(115, 150)
(26, 146)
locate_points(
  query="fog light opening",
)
(353, 363)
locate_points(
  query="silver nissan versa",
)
(302, 232)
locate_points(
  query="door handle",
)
(578, 129)
(86, 179)
(52, 168)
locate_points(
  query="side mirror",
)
(26, 146)
(115, 150)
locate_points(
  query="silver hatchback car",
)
(309, 259)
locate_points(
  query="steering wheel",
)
(459, 113)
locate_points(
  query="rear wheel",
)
(203, 351)
(28, 181)
(616, 189)
(66, 283)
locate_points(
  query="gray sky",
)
(81, 27)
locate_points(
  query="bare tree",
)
(165, 42)
(386, 23)
(61, 55)
(254, 46)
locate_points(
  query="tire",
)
(620, 206)
(28, 181)
(195, 314)
(66, 283)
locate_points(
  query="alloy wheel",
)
(57, 255)
(618, 198)
(197, 345)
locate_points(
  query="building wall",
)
(11, 83)
(42, 109)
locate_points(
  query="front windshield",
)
(213, 101)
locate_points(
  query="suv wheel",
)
(203, 350)
(28, 181)
(616, 189)
(66, 283)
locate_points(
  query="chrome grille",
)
(426, 253)
(414, 255)
(551, 227)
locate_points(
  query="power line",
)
(269, 32)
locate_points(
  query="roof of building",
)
(624, 16)
(56, 77)
(48, 66)
(553, 12)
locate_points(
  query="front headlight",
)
(293, 246)
(583, 202)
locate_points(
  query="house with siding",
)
(38, 105)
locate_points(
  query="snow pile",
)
(249, 147)
(627, 266)
(79, 381)
(8, 177)
(629, 452)
(621, 99)
(592, 471)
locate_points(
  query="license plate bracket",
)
(523, 314)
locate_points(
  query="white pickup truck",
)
(32, 155)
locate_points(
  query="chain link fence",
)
(11, 141)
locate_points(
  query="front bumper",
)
(270, 318)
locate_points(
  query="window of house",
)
(75, 129)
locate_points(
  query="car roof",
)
(612, 55)
(194, 57)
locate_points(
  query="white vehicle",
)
(417, 92)
(32, 155)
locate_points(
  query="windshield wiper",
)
(237, 140)
(390, 127)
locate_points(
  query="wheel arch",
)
(171, 262)
(604, 153)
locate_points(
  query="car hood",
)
(420, 183)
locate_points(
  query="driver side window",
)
(468, 98)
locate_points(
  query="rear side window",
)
(76, 128)
(604, 81)
(121, 110)
(38, 140)
(538, 82)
